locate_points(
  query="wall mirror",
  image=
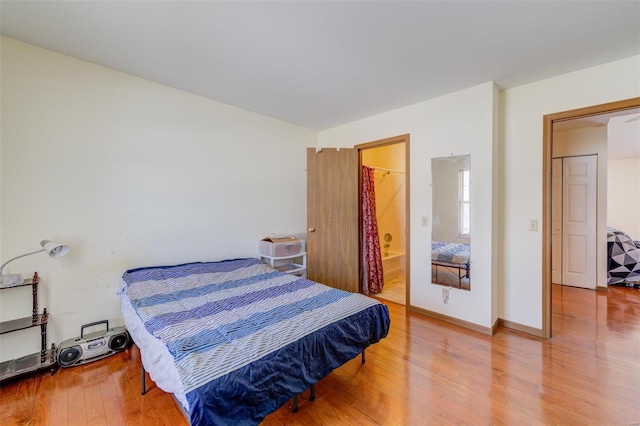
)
(451, 221)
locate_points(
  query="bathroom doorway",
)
(387, 162)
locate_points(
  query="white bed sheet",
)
(156, 358)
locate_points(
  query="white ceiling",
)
(320, 64)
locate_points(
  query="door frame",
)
(547, 148)
(407, 201)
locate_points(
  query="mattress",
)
(234, 340)
(450, 252)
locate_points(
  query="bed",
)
(454, 257)
(234, 340)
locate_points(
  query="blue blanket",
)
(246, 338)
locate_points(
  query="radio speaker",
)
(92, 346)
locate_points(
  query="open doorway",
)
(591, 116)
(384, 170)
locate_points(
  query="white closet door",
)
(556, 221)
(579, 216)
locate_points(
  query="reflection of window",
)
(464, 204)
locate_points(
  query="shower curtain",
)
(372, 258)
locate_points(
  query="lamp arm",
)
(17, 257)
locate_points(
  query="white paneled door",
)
(579, 216)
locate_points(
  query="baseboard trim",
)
(520, 327)
(489, 331)
(455, 321)
(494, 328)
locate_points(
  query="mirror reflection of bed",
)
(451, 223)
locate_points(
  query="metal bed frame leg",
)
(363, 356)
(144, 387)
(312, 397)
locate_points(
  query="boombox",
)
(92, 346)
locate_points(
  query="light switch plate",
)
(533, 225)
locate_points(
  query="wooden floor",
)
(394, 290)
(424, 372)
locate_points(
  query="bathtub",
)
(393, 264)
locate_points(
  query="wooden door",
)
(332, 217)
(556, 221)
(579, 221)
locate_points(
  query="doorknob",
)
(312, 229)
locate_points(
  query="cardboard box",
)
(280, 247)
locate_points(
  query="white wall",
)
(523, 110)
(129, 173)
(506, 180)
(623, 201)
(590, 141)
(458, 123)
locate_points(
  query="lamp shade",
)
(54, 249)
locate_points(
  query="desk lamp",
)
(52, 249)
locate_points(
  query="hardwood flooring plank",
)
(59, 409)
(111, 402)
(8, 395)
(42, 403)
(76, 405)
(24, 400)
(94, 405)
(425, 372)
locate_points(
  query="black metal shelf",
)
(28, 364)
(46, 358)
(24, 283)
(23, 323)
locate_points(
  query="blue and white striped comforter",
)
(230, 324)
(450, 252)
